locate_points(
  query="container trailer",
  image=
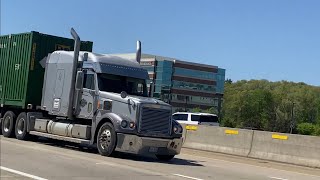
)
(21, 75)
(97, 100)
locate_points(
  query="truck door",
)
(87, 105)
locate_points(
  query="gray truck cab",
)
(106, 101)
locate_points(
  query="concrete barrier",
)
(218, 139)
(288, 148)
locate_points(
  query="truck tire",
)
(106, 139)
(21, 127)
(165, 157)
(8, 123)
(0, 123)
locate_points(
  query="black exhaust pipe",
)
(72, 104)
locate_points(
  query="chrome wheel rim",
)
(20, 126)
(7, 123)
(105, 139)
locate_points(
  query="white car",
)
(196, 118)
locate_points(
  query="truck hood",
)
(130, 99)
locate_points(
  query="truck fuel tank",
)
(65, 129)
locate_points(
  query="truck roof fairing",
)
(104, 63)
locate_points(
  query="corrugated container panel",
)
(21, 75)
(4, 42)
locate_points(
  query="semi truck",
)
(96, 100)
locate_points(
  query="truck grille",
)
(155, 121)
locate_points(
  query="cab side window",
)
(88, 81)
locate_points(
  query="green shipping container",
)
(21, 75)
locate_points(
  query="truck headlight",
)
(124, 123)
(177, 129)
(132, 125)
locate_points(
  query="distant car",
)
(196, 118)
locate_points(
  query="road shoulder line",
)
(22, 173)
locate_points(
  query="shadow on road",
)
(117, 155)
(175, 161)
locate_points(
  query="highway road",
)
(44, 159)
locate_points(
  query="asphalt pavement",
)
(53, 160)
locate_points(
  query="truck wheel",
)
(8, 123)
(0, 123)
(106, 139)
(165, 157)
(21, 127)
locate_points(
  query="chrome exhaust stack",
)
(138, 53)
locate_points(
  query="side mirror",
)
(79, 80)
(123, 94)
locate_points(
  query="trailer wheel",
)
(21, 127)
(165, 157)
(8, 123)
(106, 139)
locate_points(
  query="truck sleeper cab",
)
(98, 100)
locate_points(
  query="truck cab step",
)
(63, 138)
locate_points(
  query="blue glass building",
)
(184, 85)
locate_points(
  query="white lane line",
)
(107, 163)
(278, 178)
(22, 173)
(188, 177)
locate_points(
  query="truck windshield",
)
(116, 84)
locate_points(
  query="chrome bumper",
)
(147, 145)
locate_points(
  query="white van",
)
(196, 118)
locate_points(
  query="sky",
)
(266, 39)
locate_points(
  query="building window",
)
(181, 98)
(193, 86)
(148, 68)
(194, 73)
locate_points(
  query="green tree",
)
(271, 106)
(228, 81)
(196, 110)
(316, 130)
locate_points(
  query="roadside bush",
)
(316, 130)
(306, 128)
